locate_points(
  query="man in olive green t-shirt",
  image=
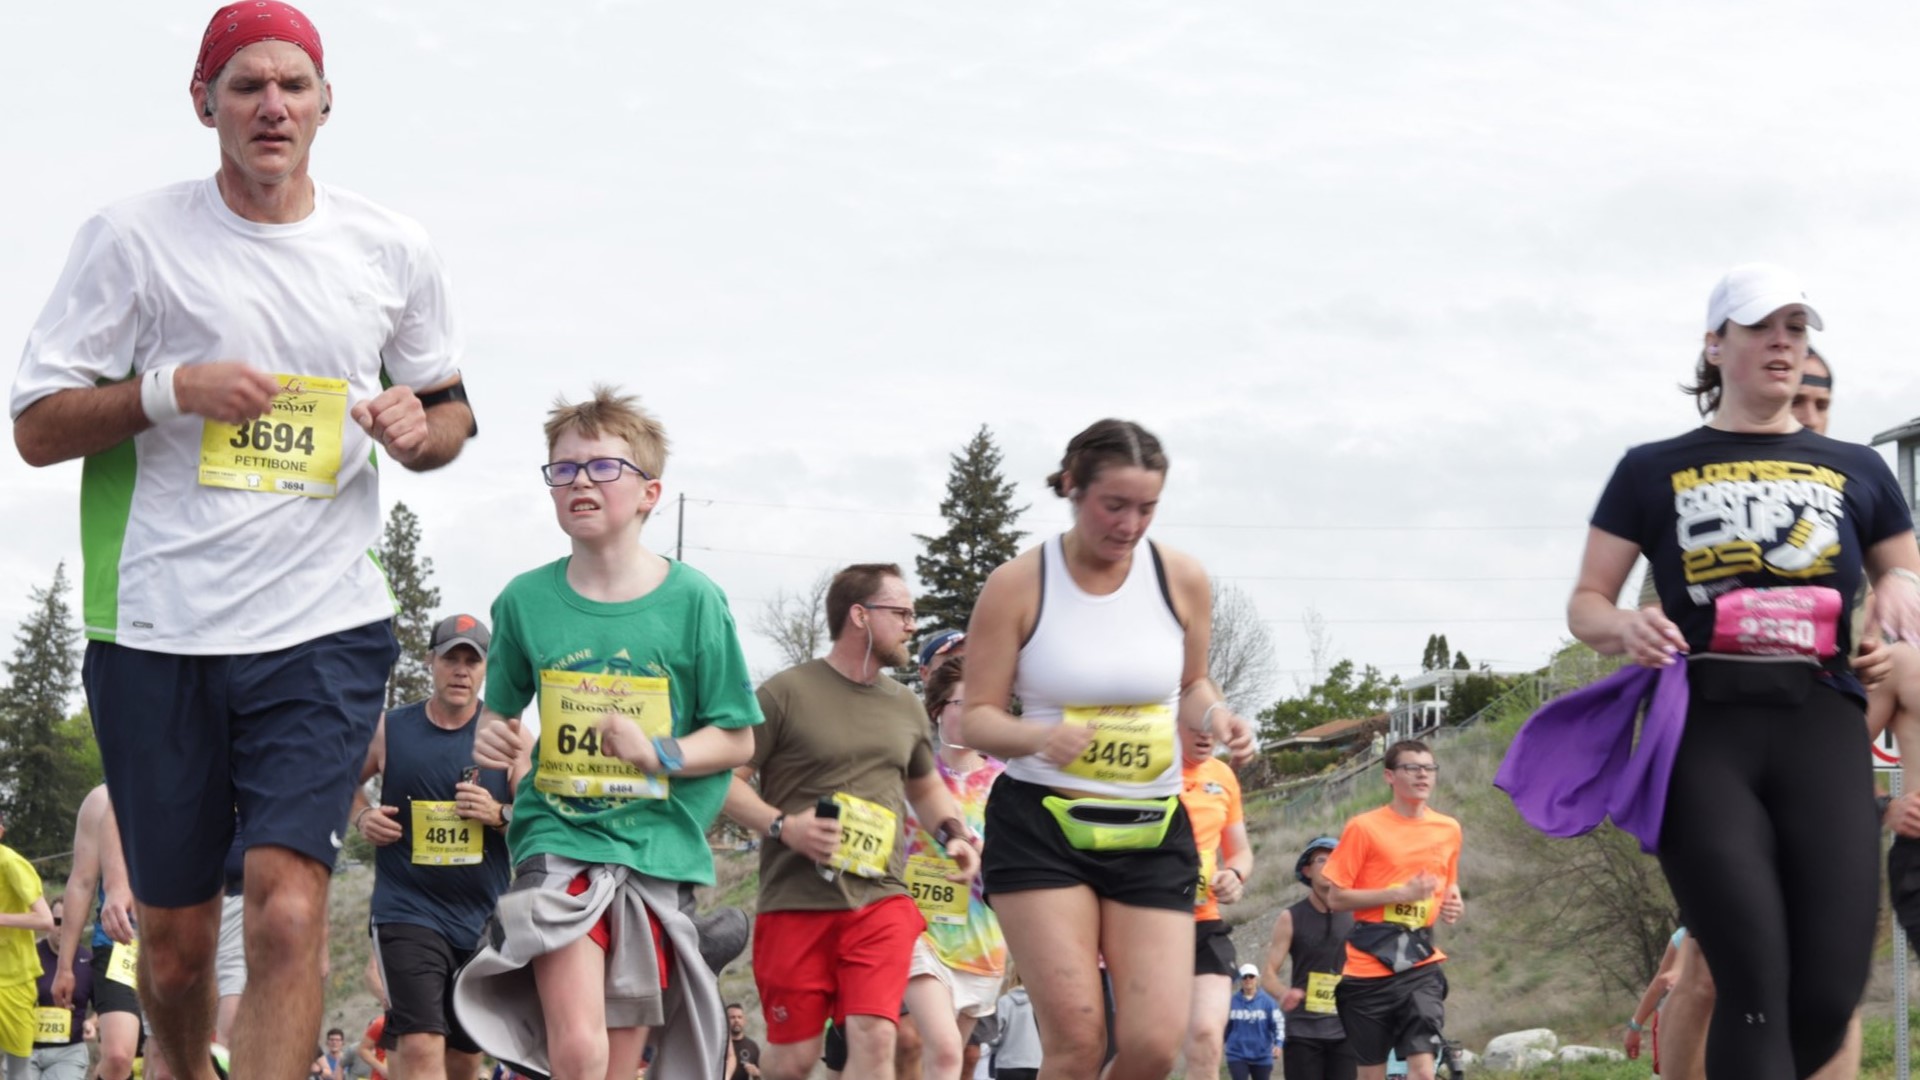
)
(836, 927)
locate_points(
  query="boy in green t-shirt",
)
(644, 705)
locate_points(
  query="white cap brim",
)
(1756, 311)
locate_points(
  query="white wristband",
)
(157, 399)
(1206, 718)
(1905, 575)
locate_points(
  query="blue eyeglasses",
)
(600, 470)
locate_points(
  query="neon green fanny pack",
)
(1112, 824)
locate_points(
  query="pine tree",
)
(42, 757)
(980, 536)
(407, 574)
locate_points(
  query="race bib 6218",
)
(1413, 915)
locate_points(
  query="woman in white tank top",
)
(1103, 639)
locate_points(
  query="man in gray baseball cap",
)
(460, 630)
(440, 862)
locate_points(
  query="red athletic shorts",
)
(815, 965)
(602, 932)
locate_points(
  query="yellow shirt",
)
(19, 888)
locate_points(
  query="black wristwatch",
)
(773, 828)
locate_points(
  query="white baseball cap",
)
(1752, 291)
(1249, 969)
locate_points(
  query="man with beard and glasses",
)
(836, 926)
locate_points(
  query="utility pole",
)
(680, 529)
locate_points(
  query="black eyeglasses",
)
(1418, 770)
(600, 470)
(906, 613)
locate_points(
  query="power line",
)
(1361, 528)
(1363, 579)
(823, 509)
(1386, 580)
(1291, 527)
(1445, 620)
(769, 554)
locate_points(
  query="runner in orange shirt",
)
(1397, 869)
(1211, 794)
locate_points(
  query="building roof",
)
(1333, 732)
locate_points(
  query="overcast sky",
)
(1394, 285)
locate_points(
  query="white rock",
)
(1590, 1053)
(1518, 1050)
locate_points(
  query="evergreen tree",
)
(1426, 655)
(1460, 662)
(407, 574)
(980, 536)
(43, 759)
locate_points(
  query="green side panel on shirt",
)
(106, 502)
(385, 578)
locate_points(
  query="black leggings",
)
(1771, 844)
(1319, 1059)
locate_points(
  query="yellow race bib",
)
(867, 834)
(1204, 892)
(1132, 744)
(1412, 915)
(939, 900)
(52, 1025)
(294, 450)
(1320, 988)
(441, 837)
(125, 966)
(572, 762)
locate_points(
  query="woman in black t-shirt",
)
(1759, 532)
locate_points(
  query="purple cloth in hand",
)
(1574, 762)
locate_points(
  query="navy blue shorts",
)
(187, 740)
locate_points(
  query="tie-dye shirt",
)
(976, 945)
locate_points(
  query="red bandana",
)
(237, 26)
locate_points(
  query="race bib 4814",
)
(441, 837)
